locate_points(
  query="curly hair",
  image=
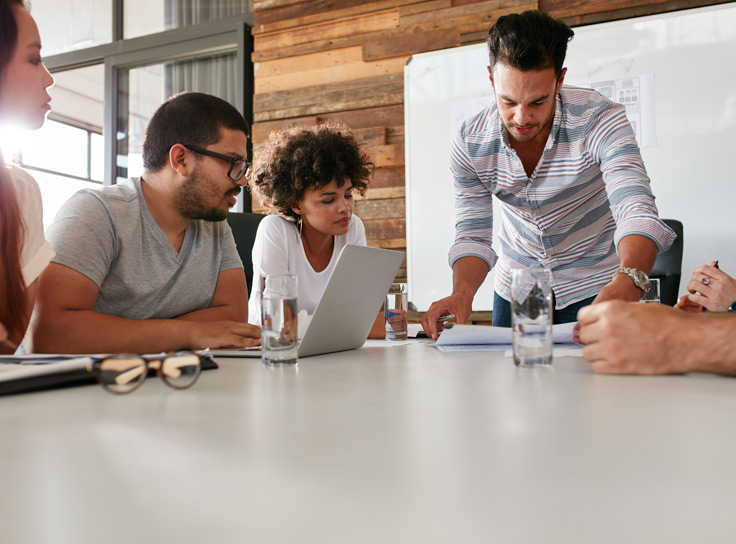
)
(296, 159)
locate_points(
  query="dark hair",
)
(529, 41)
(12, 286)
(8, 31)
(188, 118)
(298, 158)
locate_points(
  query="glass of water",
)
(279, 329)
(651, 294)
(395, 308)
(531, 316)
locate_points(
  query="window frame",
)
(90, 130)
(229, 35)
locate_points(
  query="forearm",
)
(637, 251)
(707, 344)
(229, 302)
(87, 331)
(468, 274)
(226, 312)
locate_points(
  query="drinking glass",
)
(651, 294)
(531, 316)
(279, 329)
(395, 312)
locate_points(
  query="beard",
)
(191, 198)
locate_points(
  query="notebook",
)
(348, 308)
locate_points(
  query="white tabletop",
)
(399, 444)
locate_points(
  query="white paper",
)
(465, 335)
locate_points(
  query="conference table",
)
(388, 443)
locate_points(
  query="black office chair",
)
(668, 267)
(244, 226)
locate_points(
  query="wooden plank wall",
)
(343, 60)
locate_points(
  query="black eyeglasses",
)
(122, 374)
(238, 167)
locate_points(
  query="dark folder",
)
(26, 373)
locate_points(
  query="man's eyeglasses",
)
(238, 167)
(122, 374)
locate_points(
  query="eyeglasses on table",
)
(121, 374)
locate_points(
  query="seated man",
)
(150, 265)
(633, 338)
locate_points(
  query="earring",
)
(299, 225)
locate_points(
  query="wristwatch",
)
(641, 280)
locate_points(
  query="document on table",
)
(485, 338)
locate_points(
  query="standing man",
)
(565, 165)
(150, 265)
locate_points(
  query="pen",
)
(445, 318)
(716, 265)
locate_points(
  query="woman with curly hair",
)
(306, 176)
(24, 252)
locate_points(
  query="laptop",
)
(348, 308)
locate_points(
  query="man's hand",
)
(710, 288)
(631, 338)
(468, 274)
(687, 305)
(223, 334)
(621, 287)
(458, 304)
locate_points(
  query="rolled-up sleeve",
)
(473, 208)
(613, 144)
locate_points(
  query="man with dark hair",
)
(149, 265)
(566, 168)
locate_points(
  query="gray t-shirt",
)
(110, 236)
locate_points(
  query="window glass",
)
(97, 157)
(69, 25)
(66, 153)
(143, 17)
(58, 147)
(148, 87)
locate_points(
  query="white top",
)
(36, 252)
(278, 250)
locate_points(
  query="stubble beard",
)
(189, 201)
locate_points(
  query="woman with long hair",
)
(24, 100)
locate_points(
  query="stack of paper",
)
(485, 338)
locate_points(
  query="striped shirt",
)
(588, 191)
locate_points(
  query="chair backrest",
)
(244, 227)
(668, 266)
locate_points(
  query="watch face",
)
(641, 277)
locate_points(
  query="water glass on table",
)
(531, 316)
(395, 309)
(652, 293)
(279, 331)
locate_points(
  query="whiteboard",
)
(692, 55)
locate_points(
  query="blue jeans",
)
(502, 311)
